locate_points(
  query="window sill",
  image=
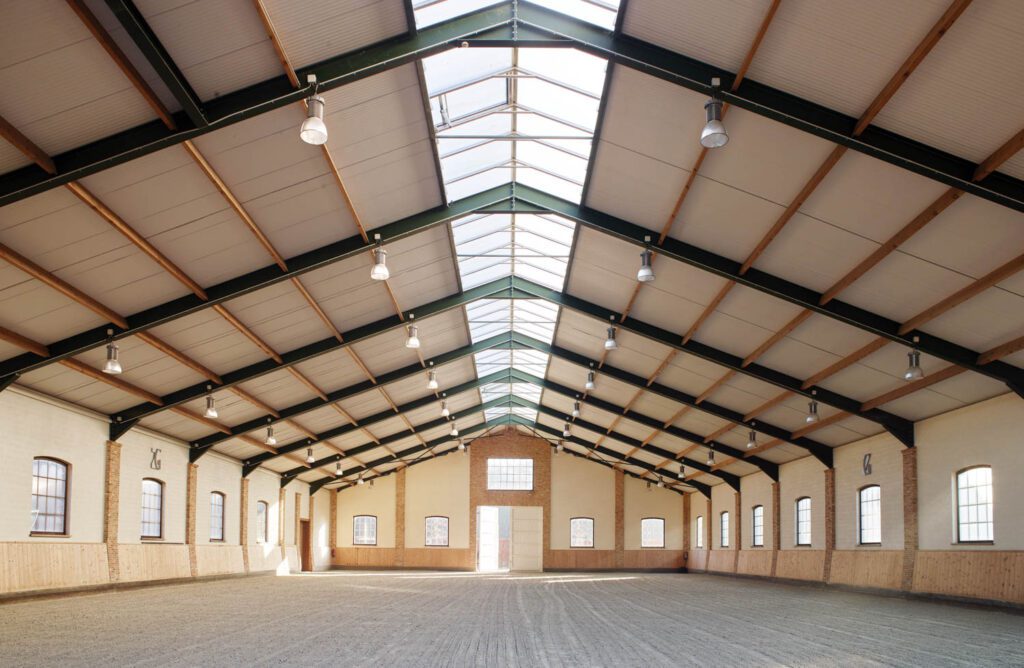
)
(45, 534)
(869, 545)
(445, 545)
(581, 547)
(973, 542)
(152, 539)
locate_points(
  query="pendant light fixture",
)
(590, 384)
(914, 370)
(576, 409)
(431, 379)
(610, 343)
(270, 440)
(380, 262)
(444, 408)
(211, 405)
(661, 483)
(462, 446)
(314, 130)
(565, 430)
(812, 412)
(113, 365)
(559, 447)
(646, 273)
(413, 339)
(309, 456)
(455, 430)
(711, 456)
(360, 481)
(714, 135)
(682, 471)
(337, 469)
(752, 440)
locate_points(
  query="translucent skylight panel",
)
(532, 317)
(558, 101)
(527, 391)
(490, 361)
(530, 361)
(553, 160)
(470, 161)
(478, 183)
(488, 317)
(574, 68)
(599, 12)
(534, 247)
(457, 67)
(552, 185)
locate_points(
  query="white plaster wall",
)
(988, 433)
(377, 499)
(580, 488)
(723, 499)
(887, 473)
(757, 491)
(34, 426)
(436, 487)
(217, 474)
(136, 463)
(640, 501)
(802, 477)
(264, 486)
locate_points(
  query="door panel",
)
(527, 538)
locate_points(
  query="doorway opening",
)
(493, 538)
(305, 547)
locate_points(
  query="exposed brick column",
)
(400, 518)
(708, 533)
(298, 516)
(776, 527)
(111, 509)
(686, 526)
(332, 530)
(190, 517)
(243, 523)
(830, 521)
(910, 536)
(620, 519)
(738, 522)
(280, 520)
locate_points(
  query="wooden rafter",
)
(26, 146)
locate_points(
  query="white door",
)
(527, 538)
(487, 538)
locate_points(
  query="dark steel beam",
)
(255, 280)
(335, 432)
(901, 428)
(139, 31)
(731, 479)
(534, 26)
(296, 410)
(132, 415)
(821, 451)
(769, 468)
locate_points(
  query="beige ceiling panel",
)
(11, 158)
(831, 335)
(315, 31)
(422, 268)
(332, 371)
(279, 389)
(656, 406)
(765, 158)
(632, 186)
(180, 427)
(972, 72)
(677, 297)
(211, 340)
(993, 317)
(70, 92)
(215, 61)
(603, 270)
(841, 56)
(395, 185)
(345, 291)
(724, 219)
(364, 404)
(718, 33)
(280, 316)
(62, 383)
(796, 358)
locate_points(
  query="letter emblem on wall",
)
(154, 462)
(867, 464)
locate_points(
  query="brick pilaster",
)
(190, 517)
(738, 523)
(620, 519)
(686, 526)
(298, 516)
(830, 521)
(281, 502)
(243, 523)
(776, 527)
(111, 509)
(910, 536)
(332, 530)
(400, 518)
(708, 532)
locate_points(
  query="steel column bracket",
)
(7, 380)
(903, 434)
(119, 428)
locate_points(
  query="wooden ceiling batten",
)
(23, 342)
(26, 146)
(113, 381)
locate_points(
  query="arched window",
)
(652, 532)
(723, 522)
(364, 530)
(152, 508)
(757, 526)
(974, 505)
(216, 516)
(700, 532)
(581, 532)
(803, 521)
(435, 531)
(869, 515)
(262, 515)
(50, 482)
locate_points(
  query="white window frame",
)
(757, 526)
(367, 538)
(218, 517)
(700, 532)
(262, 524)
(970, 501)
(510, 474)
(161, 486)
(646, 542)
(428, 541)
(723, 528)
(874, 506)
(802, 538)
(583, 542)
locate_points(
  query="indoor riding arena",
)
(512, 333)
